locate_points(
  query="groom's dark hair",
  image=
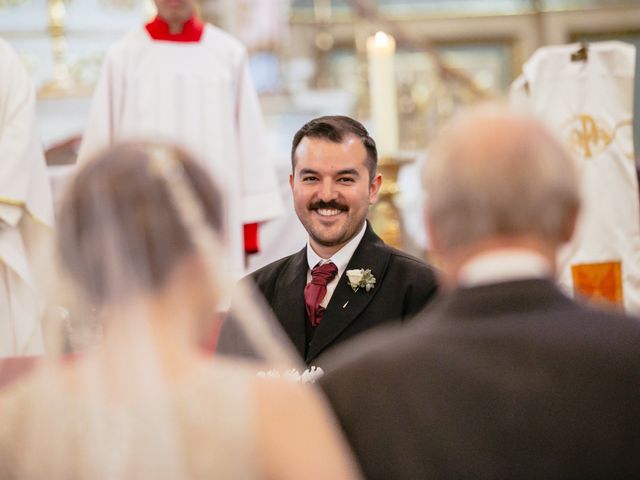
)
(335, 128)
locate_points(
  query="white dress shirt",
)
(340, 259)
(503, 265)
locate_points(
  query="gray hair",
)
(492, 173)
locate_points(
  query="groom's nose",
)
(327, 191)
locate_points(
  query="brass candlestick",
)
(385, 216)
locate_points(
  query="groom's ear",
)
(374, 188)
(291, 180)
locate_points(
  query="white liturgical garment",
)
(200, 96)
(586, 97)
(26, 210)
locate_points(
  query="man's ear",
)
(374, 188)
(570, 227)
(291, 180)
(431, 233)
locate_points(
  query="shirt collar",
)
(503, 265)
(341, 257)
(192, 30)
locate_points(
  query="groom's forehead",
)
(324, 153)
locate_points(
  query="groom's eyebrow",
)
(346, 171)
(349, 171)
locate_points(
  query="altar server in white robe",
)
(187, 82)
(26, 210)
(585, 94)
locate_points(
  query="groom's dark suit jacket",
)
(403, 286)
(511, 380)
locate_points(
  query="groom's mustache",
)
(330, 205)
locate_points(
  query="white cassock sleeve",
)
(259, 187)
(26, 210)
(24, 186)
(16, 154)
(104, 112)
(21, 156)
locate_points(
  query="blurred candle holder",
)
(385, 216)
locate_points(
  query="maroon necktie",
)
(315, 290)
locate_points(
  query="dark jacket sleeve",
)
(232, 340)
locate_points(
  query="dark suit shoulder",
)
(270, 270)
(409, 261)
(269, 273)
(417, 279)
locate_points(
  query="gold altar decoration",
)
(62, 83)
(384, 215)
(69, 80)
(324, 41)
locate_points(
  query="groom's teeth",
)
(326, 212)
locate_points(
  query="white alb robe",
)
(26, 210)
(200, 96)
(588, 104)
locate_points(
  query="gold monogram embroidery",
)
(589, 137)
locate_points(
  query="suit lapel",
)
(289, 306)
(346, 305)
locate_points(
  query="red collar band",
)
(192, 30)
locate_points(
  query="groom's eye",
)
(346, 180)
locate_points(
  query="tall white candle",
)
(382, 87)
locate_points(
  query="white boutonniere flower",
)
(361, 278)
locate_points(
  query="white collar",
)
(503, 265)
(341, 257)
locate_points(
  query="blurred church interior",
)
(316, 57)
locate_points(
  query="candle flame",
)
(381, 42)
(383, 39)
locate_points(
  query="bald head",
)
(494, 174)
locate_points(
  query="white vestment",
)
(26, 210)
(588, 103)
(199, 95)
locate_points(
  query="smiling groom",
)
(346, 279)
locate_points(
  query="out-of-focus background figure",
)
(26, 210)
(189, 82)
